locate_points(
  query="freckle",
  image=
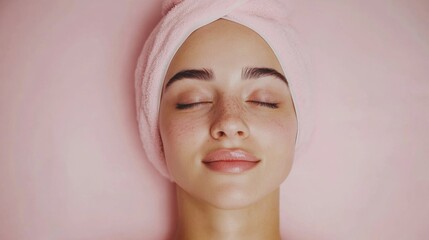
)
(182, 129)
(234, 106)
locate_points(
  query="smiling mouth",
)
(230, 161)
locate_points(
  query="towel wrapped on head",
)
(180, 19)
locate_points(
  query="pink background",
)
(71, 165)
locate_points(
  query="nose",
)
(228, 123)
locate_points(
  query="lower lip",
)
(235, 166)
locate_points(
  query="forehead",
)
(223, 46)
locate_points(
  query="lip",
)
(230, 161)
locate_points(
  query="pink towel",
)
(180, 19)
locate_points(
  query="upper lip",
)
(229, 155)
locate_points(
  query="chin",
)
(230, 196)
(231, 201)
(232, 192)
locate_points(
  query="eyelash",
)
(182, 106)
(266, 104)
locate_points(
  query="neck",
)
(200, 220)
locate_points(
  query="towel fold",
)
(180, 19)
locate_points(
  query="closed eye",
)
(182, 106)
(265, 104)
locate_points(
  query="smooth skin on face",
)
(225, 90)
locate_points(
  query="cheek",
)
(180, 135)
(286, 127)
(182, 138)
(286, 130)
(177, 129)
(280, 130)
(278, 135)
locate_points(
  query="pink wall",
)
(71, 166)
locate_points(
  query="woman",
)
(222, 124)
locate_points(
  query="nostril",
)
(221, 134)
(231, 127)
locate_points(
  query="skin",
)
(226, 113)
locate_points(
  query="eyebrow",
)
(207, 74)
(200, 74)
(252, 73)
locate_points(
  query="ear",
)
(167, 5)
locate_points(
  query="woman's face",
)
(233, 104)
